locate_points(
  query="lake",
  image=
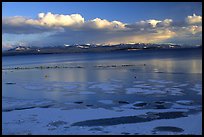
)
(123, 92)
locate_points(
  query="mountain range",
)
(78, 48)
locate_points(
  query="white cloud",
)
(194, 19)
(53, 22)
(16, 20)
(6, 46)
(165, 23)
(150, 24)
(158, 36)
(153, 22)
(41, 15)
(73, 28)
(194, 29)
(50, 20)
(98, 23)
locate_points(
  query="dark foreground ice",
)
(153, 109)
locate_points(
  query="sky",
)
(59, 23)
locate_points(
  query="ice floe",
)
(35, 120)
(197, 88)
(185, 102)
(160, 81)
(105, 86)
(70, 87)
(86, 92)
(174, 91)
(138, 82)
(108, 102)
(14, 104)
(34, 87)
(143, 91)
(142, 86)
(120, 116)
(181, 85)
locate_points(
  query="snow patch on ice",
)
(61, 120)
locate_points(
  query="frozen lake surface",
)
(137, 92)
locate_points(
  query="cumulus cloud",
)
(98, 23)
(43, 23)
(194, 29)
(153, 22)
(150, 24)
(165, 23)
(145, 37)
(59, 20)
(194, 19)
(57, 29)
(46, 20)
(22, 25)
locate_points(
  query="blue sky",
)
(136, 20)
(124, 11)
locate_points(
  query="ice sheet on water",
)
(70, 87)
(159, 86)
(116, 80)
(185, 102)
(86, 92)
(91, 82)
(134, 90)
(108, 102)
(34, 87)
(197, 88)
(20, 104)
(110, 92)
(142, 86)
(62, 119)
(51, 86)
(64, 85)
(174, 91)
(182, 106)
(160, 81)
(144, 91)
(105, 86)
(138, 82)
(181, 85)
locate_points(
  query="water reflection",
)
(190, 68)
(83, 75)
(177, 66)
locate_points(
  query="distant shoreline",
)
(18, 53)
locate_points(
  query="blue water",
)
(177, 65)
(160, 75)
(173, 54)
